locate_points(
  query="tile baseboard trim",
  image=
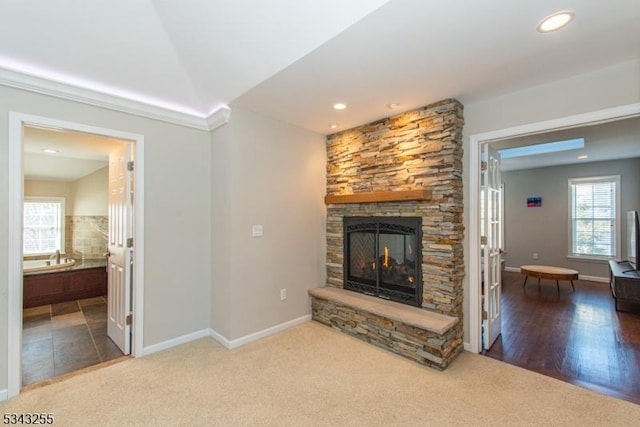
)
(4, 394)
(238, 342)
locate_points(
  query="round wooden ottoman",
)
(549, 272)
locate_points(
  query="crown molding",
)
(87, 96)
(218, 118)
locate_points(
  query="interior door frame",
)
(17, 121)
(475, 148)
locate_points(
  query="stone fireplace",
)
(393, 175)
(383, 257)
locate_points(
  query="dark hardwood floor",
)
(574, 337)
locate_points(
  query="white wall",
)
(177, 216)
(268, 173)
(91, 194)
(51, 189)
(87, 196)
(606, 88)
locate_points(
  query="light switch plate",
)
(257, 231)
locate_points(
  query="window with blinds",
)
(593, 217)
(43, 225)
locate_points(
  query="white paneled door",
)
(491, 241)
(120, 248)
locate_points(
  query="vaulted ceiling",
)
(292, 59)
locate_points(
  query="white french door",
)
(491, 245)
(120, 251)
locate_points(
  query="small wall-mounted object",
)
(534, 202)
(257, 231)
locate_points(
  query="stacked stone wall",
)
(420, 345)
(419, 149)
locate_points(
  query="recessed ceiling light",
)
(555, 21)
(583, 157)
(393, 105)
(50, 151)
(339, 106)
(333, 125)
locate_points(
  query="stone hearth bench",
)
(429, 338)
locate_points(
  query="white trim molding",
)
(474, 343)
(174, 342)
(238, 342)
(218, 118)
(70, 92)
(4, 394)
(225, 342)
(14, 272)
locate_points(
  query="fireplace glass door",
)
(383, 257)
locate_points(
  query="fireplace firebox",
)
(383, 257)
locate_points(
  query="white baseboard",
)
(231, 344)
(594, 278)
(4, 394)
(154, 348)
(512, 269)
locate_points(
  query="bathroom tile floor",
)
(61, 338)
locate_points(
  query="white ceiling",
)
(606, 141)
(79, 154)
(292, 59)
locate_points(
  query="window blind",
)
(593, 217)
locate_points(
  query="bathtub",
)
(40, 266)
(68, 281)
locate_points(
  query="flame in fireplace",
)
(386, 257)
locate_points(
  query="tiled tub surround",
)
(86, 236)
(420, 149)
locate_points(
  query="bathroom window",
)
(43, 225)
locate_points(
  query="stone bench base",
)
(431, 339)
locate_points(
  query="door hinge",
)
(485, 315)
(130, 242)
(129, 319)
(130, 166)
(483, 240)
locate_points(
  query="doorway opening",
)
(475, 149)
(478, 142)
(72, 303)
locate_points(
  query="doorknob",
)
(106, 254)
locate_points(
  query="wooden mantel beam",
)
(379, 197)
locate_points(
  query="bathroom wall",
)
(87, 227)
(40, 188)
(86, 218)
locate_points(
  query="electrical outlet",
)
(283, 294)
(535, 255)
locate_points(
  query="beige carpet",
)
(311, 375)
